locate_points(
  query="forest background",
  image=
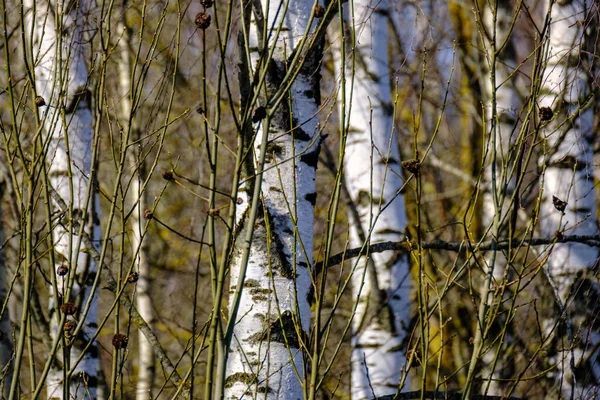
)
(487, 148)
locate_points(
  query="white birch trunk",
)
(502, 105)
(568, 178)
(146, 359)
(270, 334)
(59, 51)
(373, 176)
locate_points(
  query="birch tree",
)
(272, 256)
(58, 45)
(503, 166)
(568, 205)
(138, 203)
(373, 176)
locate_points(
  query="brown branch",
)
(456, 247)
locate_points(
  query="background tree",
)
(373, 181)
(568, 204)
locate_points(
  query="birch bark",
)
(568, 178)
(373, 176)
(61, 78)
(502, 105)
(137, 198)
(272, 315)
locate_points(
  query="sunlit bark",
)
(569, 202)
(373, 176)
(271, 325)
(59, 49)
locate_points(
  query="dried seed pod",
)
(319, 11)
(62, 270)
(69, 308)
(168, 175)
(259, 114)
(202, 20)
(133, 277)
(39, 101)
(413, 166)
(546, 113)
(69, 325)
(148, 214)
(559, 204)
(119, 341)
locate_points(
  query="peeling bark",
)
(270, 333)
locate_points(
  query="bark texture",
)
(270, 334)
(569, 201)
(59, 50)
(137, 198)
(373, 176)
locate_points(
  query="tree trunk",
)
(569, 203)
(372, 172)
(272, 313)
(502, 109)
(137, 198)
(61, 77)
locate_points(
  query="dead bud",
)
(119, 341)
(319, 11)
(69, 308)
(207, 3)
(559, 204)
(168, 175)
(546, 114)
(133, 277)
(259, 114)
(413, 166)
(69, 325)
(39, 101)
(148, 214)
(62, 270)
(202, 20)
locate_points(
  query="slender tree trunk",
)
(502, 108)
(372, 172)
(568, 199)
(61, 77)
(146, 359)
(272, 315)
